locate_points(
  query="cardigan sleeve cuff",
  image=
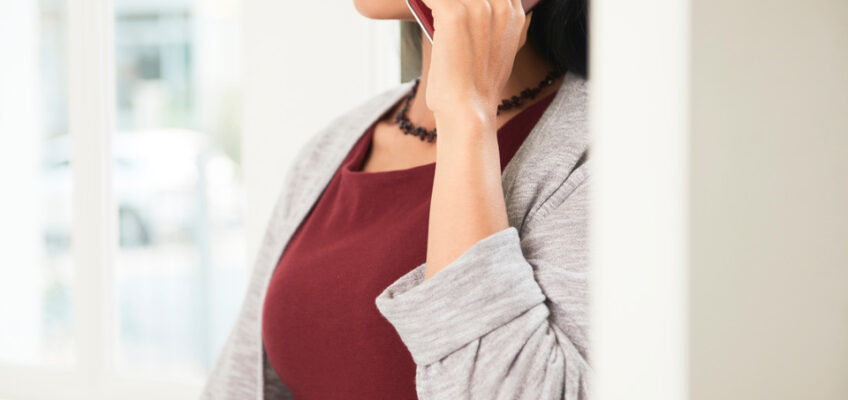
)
(488, 285)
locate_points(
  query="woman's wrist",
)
(465, 125)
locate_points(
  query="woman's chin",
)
(384, 9)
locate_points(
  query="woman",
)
(447, 263)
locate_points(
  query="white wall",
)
(305, 63)
(720, 227)
(769, 185)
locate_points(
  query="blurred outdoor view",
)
(179, 267)
(177, 181)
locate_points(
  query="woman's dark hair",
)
(558, 30)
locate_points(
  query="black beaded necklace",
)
(515, 101)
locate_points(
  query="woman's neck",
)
(527, 71)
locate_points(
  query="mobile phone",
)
(424, 15)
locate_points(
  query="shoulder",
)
(333, 133)
(360, 113)
(333, 140)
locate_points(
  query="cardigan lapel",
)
(343, 134)
(332, 155)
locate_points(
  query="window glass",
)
(180, 274)
(36, 276)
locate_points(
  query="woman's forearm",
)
(467, 203)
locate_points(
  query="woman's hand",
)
(474, 47)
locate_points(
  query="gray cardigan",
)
(507, 319)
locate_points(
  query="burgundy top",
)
(322, 331)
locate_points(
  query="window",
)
(124, 226)
(177, 184)
(124, 230)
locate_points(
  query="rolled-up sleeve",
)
(486, 326)
(487, 286)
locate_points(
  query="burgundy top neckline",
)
(352, 167)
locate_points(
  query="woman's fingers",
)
(474, 47)
(478, 10)
(445, 10)
(502, 16)
(479, 25)
(501, 12)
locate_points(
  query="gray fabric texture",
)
(508, 319)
